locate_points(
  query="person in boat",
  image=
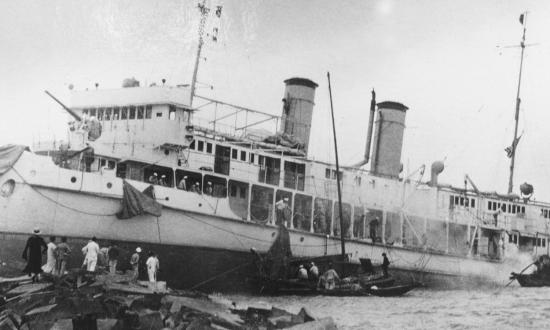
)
(153, 179)
(385, 264)
(183, 183)
(134, 262)
(209, 190)
(313, 271)
(329, 278)
(91, 252)
(49, 267)
(32, 253)
(62, 253)
(373, 225)
(302, 273)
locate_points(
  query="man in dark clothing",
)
(33, 254)
(373, 224)
(385, 265)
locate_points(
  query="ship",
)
(224, 188)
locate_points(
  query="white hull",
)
(44, 196)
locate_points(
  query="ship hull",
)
(195, 242)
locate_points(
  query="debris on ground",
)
(82, 300)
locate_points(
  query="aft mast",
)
(337, 174)
(512, 149)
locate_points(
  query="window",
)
(92, 112)
(186, 179)
(209, 147)
(192, 145)
(108, 114)
(85, 111)
(327, 173)
(473, 203)
(232, 190)
(140, 112)
(221, 160)
(346, 215)
(132, 112)
(215, 186)
(148, 111)
(294, 175)
(358, 222)
(251, 158)
(234, 153)
(201, 146)
(159, 114)
(116, 114)
(270, 170)
(99, 114)
(172, 112)
(544, 242)
(322, 215)
(283, 207)
(302, 212)
(124, 113)
(243, 155)
(261, 205)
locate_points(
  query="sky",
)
(448, 61)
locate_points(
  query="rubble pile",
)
(80, 300)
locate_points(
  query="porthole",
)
(166, 152)
(200, 204)
(73, 179)
(7, 188)
(167, 198)
(109, 185)
(273, 234)
(302, 239)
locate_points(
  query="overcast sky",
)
(440, 58)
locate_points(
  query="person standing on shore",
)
(152, 267)
(91, 251)
(49, 267)
(113, 254)
(33, 254)
(62, 253)
(134, 261)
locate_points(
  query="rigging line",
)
(58, 203)
(221, 274)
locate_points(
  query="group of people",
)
(330, 278)
(183, 185)
(57, 256)
(156, 180)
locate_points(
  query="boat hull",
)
(532, 280)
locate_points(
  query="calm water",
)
(509, 308)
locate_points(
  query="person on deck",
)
(49, 267)
(134, 261)
(302, 273)
(62, 253)
(91, 252)
(313, 271)
(385, 265)
(33, 254)
(198, 188)
(163, 181)
(209, 190)
(328, 280)
(152, 267)
(183, 183)
(154, 179)
(113, 254)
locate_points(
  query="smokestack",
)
(369, 131)
(388, 139)
(298, 109)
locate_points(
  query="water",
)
(508, 308)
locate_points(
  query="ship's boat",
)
(540, 277)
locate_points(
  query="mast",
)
(204, 13)
(523, 21)
(337, 173)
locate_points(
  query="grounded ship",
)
(222, 186)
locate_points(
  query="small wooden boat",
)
(531, 280)
(379, 281)
(392, 291)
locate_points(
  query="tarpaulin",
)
(135, 202)
(9, 154)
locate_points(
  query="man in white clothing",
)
(152, 267)
(91, 251)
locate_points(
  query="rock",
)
(87, 322)
(199, 324)
(218, 311)
(7, 324)
(106, 324)
(306, 315)
(64, 324)
(28, 288)
(151, 320)
(280, 322)
(151, 301)
(326, 323)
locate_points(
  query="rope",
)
(219, 275)
(60, 204)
